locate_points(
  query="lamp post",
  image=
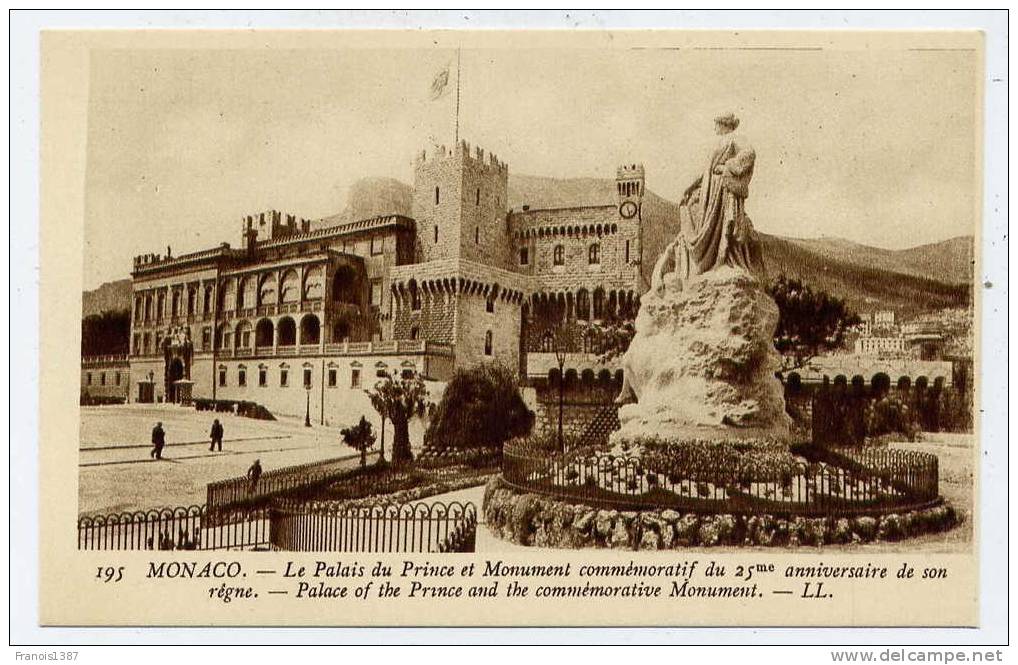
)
(560, 358)
(307, 410)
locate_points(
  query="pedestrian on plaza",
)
(158, 441)
(254, 473)
(217, 435)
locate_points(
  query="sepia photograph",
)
(516, 328)
(465, 300)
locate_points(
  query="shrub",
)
(891, 415)
(480, 407)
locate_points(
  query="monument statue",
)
(714, 229)
(702, 361)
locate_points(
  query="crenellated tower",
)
(460, 200)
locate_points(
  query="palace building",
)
(302, 313)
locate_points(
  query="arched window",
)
(489, 305)
(415, 332)
(290, 286)
(547, 342)
(559, 255)
(487, 343)
(160, 306)
(594, 254)
(598, 303)
(267, 290)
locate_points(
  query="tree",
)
(480, 407)
(810, 322)
(359, 437)
(106, 333)
(398, 399)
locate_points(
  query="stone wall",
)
(540, 521)
(435, 320)
(473, 321)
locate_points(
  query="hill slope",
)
(111, 296)
(950, 260)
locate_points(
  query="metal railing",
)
(335, 527)
(872, 481)
(180, 528)
(240, 491)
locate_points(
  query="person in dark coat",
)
(254, 473)
(217, 435)
(158, 441)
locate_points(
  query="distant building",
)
(299, 316)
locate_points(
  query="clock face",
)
(628, 209)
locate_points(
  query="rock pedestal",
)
(702, 363)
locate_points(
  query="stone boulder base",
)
(702, 363)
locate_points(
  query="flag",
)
(439, 84)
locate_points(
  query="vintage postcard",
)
(654, 328)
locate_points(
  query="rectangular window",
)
(222, 377)
(102, 379)
(355, 378)
(477, 235)
(117, 378)
(489, 306)
(88, 379)
(477, 200)
(436, 234)
(284, 376)
(524, 256)
(241, 377)
(627, 251)
(307, 377)
(377, 244)
(437, 198)
(332, 378)
(263, 377)
(376, 292)
(206, 338)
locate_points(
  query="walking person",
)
(158, 441)
(253, 474)
(217, 435)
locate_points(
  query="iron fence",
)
(335, 527)
(306, 527)
(868, 482)
(241, 491)
(179, 528)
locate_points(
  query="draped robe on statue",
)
(714, 228)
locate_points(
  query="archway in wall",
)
(344, 285)
(287, 332)
(310, 330)
(264, 333)
(174, 372)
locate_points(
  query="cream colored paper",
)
(71, 594)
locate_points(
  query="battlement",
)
(278, 224)
(629, 171)
(461, 151)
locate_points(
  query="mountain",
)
(869, 278)
(111, 296)
(864, 288)
(950, 260)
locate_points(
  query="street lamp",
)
(307, 409)
(560, 358)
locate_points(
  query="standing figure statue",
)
(714, 229)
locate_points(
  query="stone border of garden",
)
(534, 520)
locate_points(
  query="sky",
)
(877, 147)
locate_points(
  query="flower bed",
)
(535, 520)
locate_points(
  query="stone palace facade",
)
(300, 315)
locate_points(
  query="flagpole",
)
(457, 97)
